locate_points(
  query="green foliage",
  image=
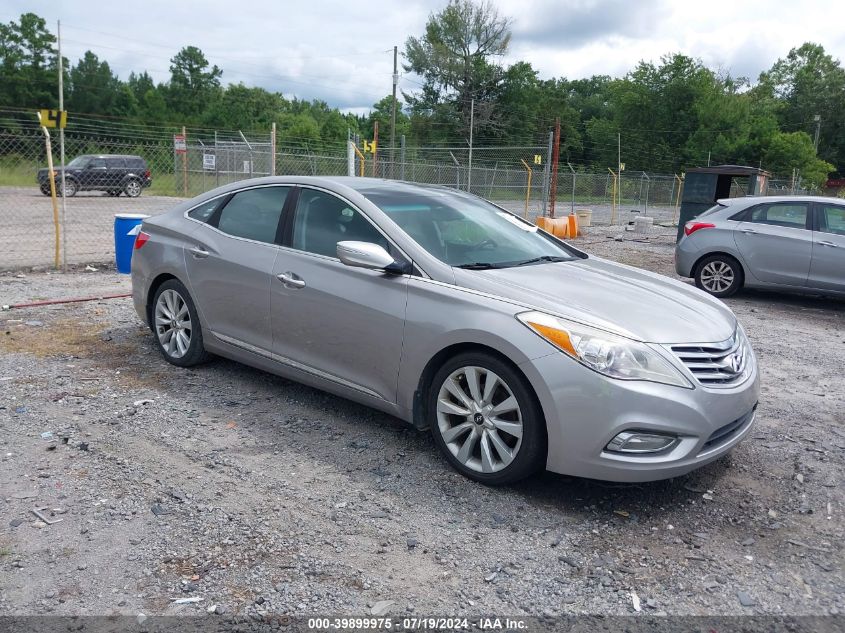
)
(670, 115)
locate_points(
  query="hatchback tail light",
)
(141, 239)
(692, 227)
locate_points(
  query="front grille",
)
(723, 434)
(716, 364)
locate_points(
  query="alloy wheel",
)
(173, 323)
(717, 276)
(479, 419)
(133, 188)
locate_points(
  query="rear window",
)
(135, 163)
(712, 209)
(115, 163)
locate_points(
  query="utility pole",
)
(62, 143)
(619, 168)
(471, 125)
(818, 119)
(375, 146)
(393, 116)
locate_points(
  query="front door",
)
(230, 260)
(776, 242)
(827, 271)
(339, 323)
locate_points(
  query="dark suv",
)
(112, 173)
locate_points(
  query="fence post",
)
(350, 158)
(547, 173)
(185, 164)
(216, 162)
(614, 194)
(402, 145)
(572, 206)
(272, 149)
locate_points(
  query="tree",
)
(93, 88)
(193, 85)
(28, 64)
(794, 150)
(453, 58)
(810, 82)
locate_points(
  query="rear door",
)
(115, 171)
(775, 240)
(827, 271)
(230, 262)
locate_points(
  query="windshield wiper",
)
(543, 258)
(479, 266)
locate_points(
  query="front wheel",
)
(720, 275)
(486, 420)
(177, 326)
(70, 188)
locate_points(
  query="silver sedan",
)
(518, 351)
(785, 243)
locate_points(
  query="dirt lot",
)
(259, 495)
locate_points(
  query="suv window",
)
(788, 214)
(112, 162)
(96, 163)
(254, 214)
(322, 220)
(135, 163)
(831, 219)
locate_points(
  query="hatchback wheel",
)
(486, 420)
(177, 326)
(720, 275)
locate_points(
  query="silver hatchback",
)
(787, 243)
(518, 351)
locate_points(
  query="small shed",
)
(703, 186)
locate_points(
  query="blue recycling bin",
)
(126, 227)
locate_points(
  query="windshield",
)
(79, 162)
(465, 231)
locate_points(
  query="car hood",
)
(611, 296)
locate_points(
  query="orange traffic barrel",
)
(559, 227)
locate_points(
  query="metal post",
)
(185, 164)
(527, 188)
(547, 173)
(647, 187)
(553, 180)
(216, 162)
(471, 122)
(375, 146)
(249, 150)
(272, 149)
(62, 145)
(350, 158)
(52, 178)
(572, 206)
(403, 157)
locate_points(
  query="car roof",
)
(110, 156)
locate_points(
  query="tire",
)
(114, 193)
(476, 443)
(183, 346)
(719, 275)
(71, 187)
(45, 189)
(132, 188)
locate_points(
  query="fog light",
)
(639, 442)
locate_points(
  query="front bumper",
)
(585, 410)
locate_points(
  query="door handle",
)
(289, 279)
(198, 252)
(826, 243)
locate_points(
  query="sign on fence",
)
(53, 118)
(209, 161)
(179, 144)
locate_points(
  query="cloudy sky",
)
(341, 51)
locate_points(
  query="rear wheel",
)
(132, 188)
(45, 189)
(720, 275)
(486, 420)
(177, 326)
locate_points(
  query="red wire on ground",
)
(51, 302)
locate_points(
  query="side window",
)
(322, 220)
(204, 211)
(788, 214)
(96, 163)
(254, 214)
(831, 219)
(115, 163)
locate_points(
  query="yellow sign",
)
(621, 166)
(538, 160)
(53, 118)
(370, 146)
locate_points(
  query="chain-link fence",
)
(147, 171)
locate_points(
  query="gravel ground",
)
(259, 495)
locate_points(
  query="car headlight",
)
(608, 354)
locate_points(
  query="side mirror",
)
(368, 255)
